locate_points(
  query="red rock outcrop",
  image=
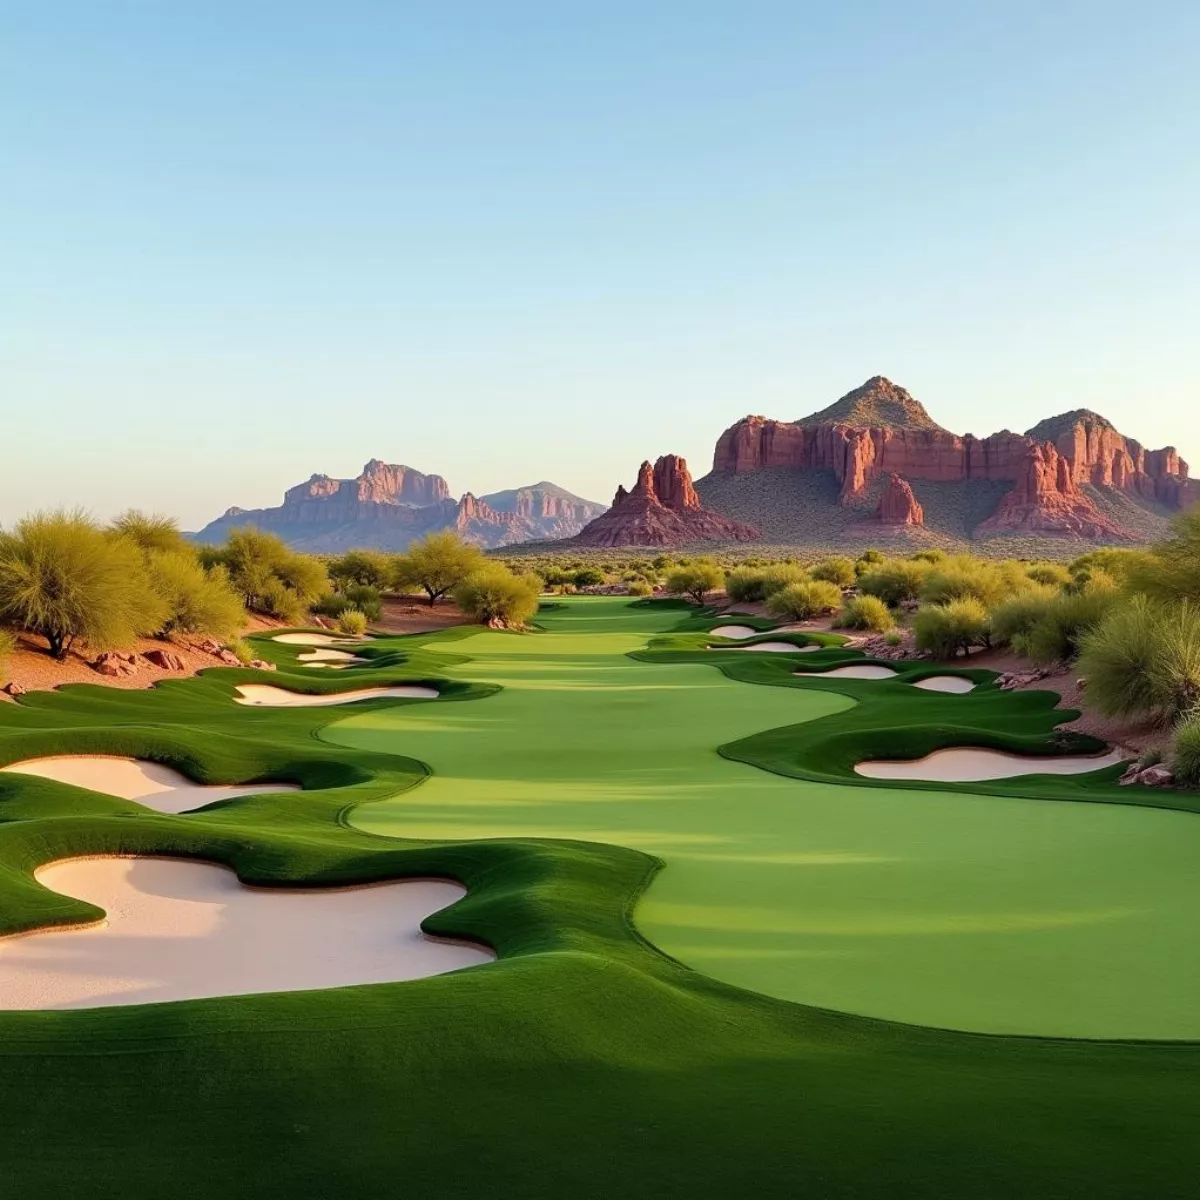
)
(898, 505)
(879, 428)
(662, 509)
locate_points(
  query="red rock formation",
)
(879, 428)
(898, 505)
(662, 509)
(1046, 500)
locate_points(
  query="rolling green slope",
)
(584, 1063)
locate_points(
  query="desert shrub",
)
(1117, 658)
(1091, 579)
(62, 577)
(1013, 619)
(362, 597)
(963, 576)
(696, 580)
(871, 557)
(194, 600)
(1185, 759)
(438, 564)
(837, 569)
(639, 587)
(1049, 574)
(895, 581)
(242, 650)
(798, 601)
(866, 612)
(151, 531)
(1120, 565)
(493, 595)
(753, 585)
(8, 643)
(1175, 672)
(932, 556)
(893, 638)
(1057, 635)
(588, 577)
(352, 622)
(945, 630)
(269, 575)
(362, 568)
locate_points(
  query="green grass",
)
(583, 1063)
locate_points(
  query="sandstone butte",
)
(389, 505)
(662, 509)
(880, 429)
(898, 505)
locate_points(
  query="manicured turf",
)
(939, 908)
(583, 1063)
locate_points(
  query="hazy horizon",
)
(241, 247)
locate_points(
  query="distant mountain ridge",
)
(389, 505)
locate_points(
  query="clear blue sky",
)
(505, 241)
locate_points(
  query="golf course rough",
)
(585, 1061)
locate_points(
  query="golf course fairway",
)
(999, 914)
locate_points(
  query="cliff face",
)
(662, 509)
(904, 440)
(390, 505)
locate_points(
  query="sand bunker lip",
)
(265, 696)
(323, 658)
(946, 683)
(772, 648)
(182, 930)
(317, 639)
(976, 764)
(150, 783)
(734, 631)
(854, 671)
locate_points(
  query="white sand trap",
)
(179, 930)
(857, 671)
(149, 783)
(734, 631)
(263, 694)
(318, 639)
(324, 657)
(946, 683)
(973, 764)
(773, 648)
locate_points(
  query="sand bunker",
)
(179, 930)
(773, 648)
(857, 671)
(149, 783)
(262, 694)
(973, 764)
(321, 658)
(318, 639)
(734, 631)
(946, 683)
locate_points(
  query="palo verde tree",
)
(437, 564)
(63, 577)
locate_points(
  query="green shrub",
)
(242, 650)
(269, 576)
(932, 556)
(945, 630)
(62, 577)
(696, 580)
(866, 612)
(895, 580)
(639, 587)
(893, 638)
(1053, 575)
(588, 577)
(799, 601)
(1056, 637)
(493, 595)
(746, 585)
(352, 622)
(362, 568)
(438, 564)
(1014, 618)
(151, 531)
(964, 576)
(838, 569)
(194, 600)
(1185, 761)
(1118, 656)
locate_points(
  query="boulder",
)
(1156, 776)
(228, 657)
(166, 660)
(113, 663)
(14, 689)
(261, 664)
(898, 506)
